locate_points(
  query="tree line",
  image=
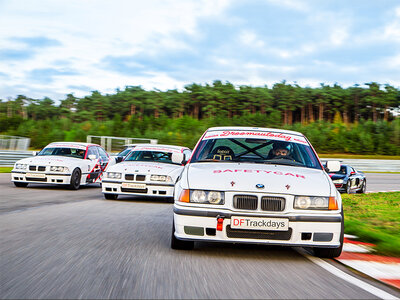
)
(335, 119)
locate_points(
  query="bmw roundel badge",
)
(260, 186)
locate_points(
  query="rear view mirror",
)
(333, 166)
(177, 158)
(92, 157)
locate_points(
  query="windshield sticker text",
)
(255, 134)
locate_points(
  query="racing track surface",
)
(56, 243)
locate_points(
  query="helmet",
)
(282, 145)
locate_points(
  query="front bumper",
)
(152, 189)
(304, 230)
(53, 178)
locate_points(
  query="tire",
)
(111, 196)
(332, 252)
(363, 189)
(75, 180)
(348, 188)
(20, 184)
(179, 244)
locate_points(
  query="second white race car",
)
(148, 170)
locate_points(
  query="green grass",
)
(374, 218)
(357, 156)
(5, 169)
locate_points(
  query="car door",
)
(95, 170)
(104, 158)
(353, 177)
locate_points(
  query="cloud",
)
(15, 55)
(37, 41)
(48, 75)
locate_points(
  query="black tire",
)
(348, 188)
(75, 180)
(20, 184)
(179, 244)
(332, 252)
(111, 196)
(363, 188)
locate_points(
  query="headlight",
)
(163, 178)
(338, 181)
(21, 166)
(310, 202)
(114, 175)
(58, 169)
(200, 196)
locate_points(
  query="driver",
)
(281, 150)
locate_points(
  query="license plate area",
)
(256, 223)
(35, 175)
(138, 186)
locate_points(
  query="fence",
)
(9, 142)
(114, 144)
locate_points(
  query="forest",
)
(357, 119)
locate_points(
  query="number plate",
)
(279, 224)
(35, 175)
(139, 186)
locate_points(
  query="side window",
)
(103, 154)
(92, 151)
(187, 154)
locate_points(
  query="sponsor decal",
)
(233, 183)
(75, 146)
(132, 164)
(259, 223)
(159, 149)
(259, 171)
(287, 186)
(255, 134)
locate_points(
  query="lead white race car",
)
(68, 163)
(257, 185)
(148, 170)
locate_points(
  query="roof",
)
(73, 143)
(254, 129)
(162, 146)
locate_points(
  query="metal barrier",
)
(8, 158)
(9, 142)
(114, 143)
(371, 165)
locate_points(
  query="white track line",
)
(357, 282)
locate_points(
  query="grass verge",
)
(374, 218)
(5, 169)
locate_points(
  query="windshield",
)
(256, 150)
(154, 156)
(69, 152)
(125, 151)
(342, 171)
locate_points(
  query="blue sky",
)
(55, 47)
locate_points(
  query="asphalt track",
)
(56, 243)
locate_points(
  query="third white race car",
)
(257, 185)
(148, 170)
(68, 163)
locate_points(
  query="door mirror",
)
(34, 153)
(352, 173)
(332, 166)
(92, 157)
(177, 158)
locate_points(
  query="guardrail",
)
(115, 143)
(8, 158)
(370, 165)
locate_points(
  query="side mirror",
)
(118, 159)
(352, 173)
(177, 158)
(332, 166)
(92, 157)
(34, 153)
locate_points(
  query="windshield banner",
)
(75, 146)
(255, 135)
(157, 149)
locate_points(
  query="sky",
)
(56, 47)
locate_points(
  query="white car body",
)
(58, 169)
(137, 177)
(262, 185)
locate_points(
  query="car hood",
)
(244, 177)
(145, 168)
(50, 160)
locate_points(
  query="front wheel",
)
(363, 189)
(348, 187)
(75, 182)
(111, 196)
(21, 184)
(179, 244)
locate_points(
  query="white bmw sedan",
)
(69, 163)
(148, 170)
(257, 185)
